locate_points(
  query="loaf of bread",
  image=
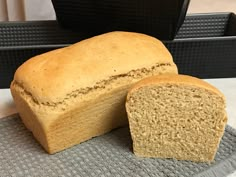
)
(176, 116)
(70, 95)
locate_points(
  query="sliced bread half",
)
(176, 116)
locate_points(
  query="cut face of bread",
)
(176, 116)
(70, 95)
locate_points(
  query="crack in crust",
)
(133, 74)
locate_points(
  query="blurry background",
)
(18, 10)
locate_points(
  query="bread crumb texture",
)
(176, 116)
(70, 95)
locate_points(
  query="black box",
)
(158, 18)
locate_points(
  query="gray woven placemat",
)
(107, 155)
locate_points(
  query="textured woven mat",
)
(107, 155)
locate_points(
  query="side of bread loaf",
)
(176, 116)
(72, 94)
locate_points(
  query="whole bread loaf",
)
(176, 116)
(70, 95)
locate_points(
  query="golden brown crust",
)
(70, 95)
(175, 79)
(51, 76)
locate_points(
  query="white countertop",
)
(227, 86)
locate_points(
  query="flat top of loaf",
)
(51, 76)
(176, 79)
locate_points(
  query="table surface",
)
(227, 86)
